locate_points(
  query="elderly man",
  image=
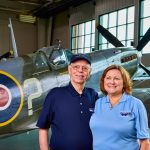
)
(67, 110)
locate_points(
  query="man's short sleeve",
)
(46, 114)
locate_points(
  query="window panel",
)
(81, 29)
(74, 43)
(145, 8)
(130, 31)
(122, 17)
(104, 21)
(88, 27)
(145, 24)
(93, 26)
(112, 19)
(75, 31)
(121, 33)
(131, 14)
(93, 40)
(121, 25)
(81, 42)
(102, 40)
(104, 46)
(87, 40)
(83, 35)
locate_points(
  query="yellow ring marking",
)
(22, 98)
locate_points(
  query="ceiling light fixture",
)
(27, 18)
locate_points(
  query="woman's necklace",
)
(113, 104)
(114, 101)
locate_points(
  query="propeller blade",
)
(144, 68)
(110, 37)
(144, 40)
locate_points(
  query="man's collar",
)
(74, 92)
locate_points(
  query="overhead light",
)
(27, 18)
(29, 3)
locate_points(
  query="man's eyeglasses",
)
(77, 67)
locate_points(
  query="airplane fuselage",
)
(28, 79)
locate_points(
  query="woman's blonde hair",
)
(127, 83)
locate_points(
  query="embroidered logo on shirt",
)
(125, 113)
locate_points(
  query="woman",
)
(120, 120)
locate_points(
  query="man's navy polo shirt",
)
(68, 114)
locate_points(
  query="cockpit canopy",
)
(52, 58)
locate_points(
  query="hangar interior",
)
(39, 23)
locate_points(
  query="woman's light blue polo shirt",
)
(120, 127)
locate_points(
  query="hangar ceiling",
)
(39, 8)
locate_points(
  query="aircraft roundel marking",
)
(11, 98)
(5, 97)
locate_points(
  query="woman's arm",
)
(43, 139)
(144, 144)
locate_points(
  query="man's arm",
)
(144, 144)
(43, 139)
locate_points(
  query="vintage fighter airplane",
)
(26, 80)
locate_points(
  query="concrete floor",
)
(24, 141)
